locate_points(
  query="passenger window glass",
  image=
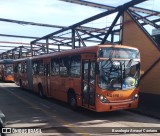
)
(91, 96)
(64, 66)
(75, 66)
(55, 66)
(24, 67)
(35, 67)
(38, 67)
(85, 72)
(41, 67)
(15, 68)
(85, 93)
(19, 67)
(92, 73)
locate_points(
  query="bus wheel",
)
(72, 101)
(40, 91)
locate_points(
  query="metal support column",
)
(73, 38)
(112, 37)
(58, 47)
(31, 50)
(20, 53)
(79, 43)
(111, 27)
(47, 45)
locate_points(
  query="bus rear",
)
(118, 78)
(6, 70)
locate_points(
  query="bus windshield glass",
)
(9, 69)
(121, 53)
(118, 74)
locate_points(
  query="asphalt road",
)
(27, 113)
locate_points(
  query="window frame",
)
(75, 56)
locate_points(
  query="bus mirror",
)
(97, 68)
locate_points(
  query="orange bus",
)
(6, 70)
(99, 78)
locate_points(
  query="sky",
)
(54, 12)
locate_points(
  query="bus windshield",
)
(9, 69)
(118, 74)
(121, 53)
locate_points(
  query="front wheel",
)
(72, 101)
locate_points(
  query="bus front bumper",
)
(9, 78)
(113, 106)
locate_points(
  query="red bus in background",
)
(6, 70)
(99, 78)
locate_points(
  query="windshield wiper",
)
(129, 63)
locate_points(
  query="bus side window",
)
(55, 66)
(75, 66)
(35, 67)
(64, 66)
(23, 68)
(41, 67)
(19, 67)
(15, 68)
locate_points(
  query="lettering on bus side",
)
(114, 95)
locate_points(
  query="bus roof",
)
(89, 49)
(77, 51)
(22, 59)
(6, 61)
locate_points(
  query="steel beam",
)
(18, 36)
(124, 7)
(73, 38)
(91, 4)
(30, 23)
(154, 21)
(106, 7)
(146, 33)
(81, 40)
(111, 27)
(92, 35)
(145, 20)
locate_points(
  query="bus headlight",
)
(102, 98)
(135, 97)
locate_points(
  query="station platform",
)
(149, 104)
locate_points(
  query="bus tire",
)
(72, 101)
(40, 91)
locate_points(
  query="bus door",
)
(88, 82)
(47, 89)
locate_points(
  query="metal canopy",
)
(117, 9)
(81, 34)
(77, 37)
(106, 7)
